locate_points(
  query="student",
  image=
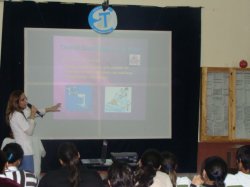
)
(14, 153)
(4, 181)
(148, 173)
(242, 178)
(22, 122)
(120, 175)
(213, 173)
(169, 165)
(38, 149)
(71, 174)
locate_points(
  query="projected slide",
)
(111, 86)
(98, 77)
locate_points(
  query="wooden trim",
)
(231, 105)
(203, 105)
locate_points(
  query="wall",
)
(226, 150)
(225, 27)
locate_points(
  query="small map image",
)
(134, 59)
(118, 99)
(78, 98)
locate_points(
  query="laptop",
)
(98, 161)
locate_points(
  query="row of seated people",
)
(154, 169)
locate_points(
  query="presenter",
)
(21, 117)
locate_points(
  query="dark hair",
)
(243, 156)
(3, 161)
(69, 155)
(120, 175)
(13, 104)
(13, 152)
(169, 166)
(150, 162)
(216, 170)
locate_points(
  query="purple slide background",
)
(97, 63)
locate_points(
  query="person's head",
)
(151, 157)
(169, 165)
(14, 153)
(68, 154)
(149, 163)
(120, 175)
(17, 102)
(214, 170)
(243, 158)
(3, 162)
(69, 158)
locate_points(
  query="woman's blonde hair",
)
(13, 104)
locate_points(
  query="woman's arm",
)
(54, 108)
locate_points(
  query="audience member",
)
(72, 173)
(213, 173)
(148, 173)
(120, 175)
(4, 181)
(169, 165)
(242, 178)
(37, 146)
(14, 153)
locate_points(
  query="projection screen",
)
(111, 86)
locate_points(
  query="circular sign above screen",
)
(102, 21)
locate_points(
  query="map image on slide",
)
(78, 98)
(118, 99)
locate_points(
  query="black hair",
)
(216, 170)
(169, 166)
(69, 155)
(3, 161)
(150, 162)
(13, 152)
(120, 175)
(243, 156)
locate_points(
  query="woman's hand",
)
(54, 108)
(33, 111)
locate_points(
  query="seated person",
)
(213, 173)
(72, 173)
(242, 178)
(14, 153)
(4, 181)
(169, 165)
(148, 174)
(120, 175)
(37, 145)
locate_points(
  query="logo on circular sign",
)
(102, 21)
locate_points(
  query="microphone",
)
(38, 113)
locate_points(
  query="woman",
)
(71, 174)
(148, 174)
(14, 153)
(213, 173)
(169, 165)
(4, 181)
(21, 119)
(120, 175)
